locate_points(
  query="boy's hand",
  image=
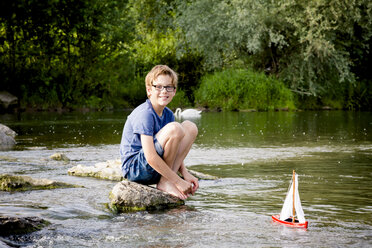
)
(191, 179)
(184, 187)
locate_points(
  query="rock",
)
(59, 157)
(202, 176)
(7, 131)
(129, 196)
(326, 108)
(110, 170)
(22, 183)
(7, 100)
(7, 140)
(8, 159)
(18, 225)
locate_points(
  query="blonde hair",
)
(161, 70)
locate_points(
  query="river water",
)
(253, 154)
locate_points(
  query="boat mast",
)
(294, 210)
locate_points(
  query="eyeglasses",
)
(167, 88)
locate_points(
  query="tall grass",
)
(239, 89)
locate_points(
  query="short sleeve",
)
(143, 123)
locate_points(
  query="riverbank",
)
(34, 110)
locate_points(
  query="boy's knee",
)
(175, 130)
(190, 127)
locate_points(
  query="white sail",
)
(287, 210)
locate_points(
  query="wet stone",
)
(7, 131)
(130, 196)
(7, 136)
(20, 225)
(23, 183)
(59, 157)
(202, 176)
(109, 170)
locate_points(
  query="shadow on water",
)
(253, 154)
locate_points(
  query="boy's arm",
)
(156, 162)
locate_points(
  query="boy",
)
(154, 146)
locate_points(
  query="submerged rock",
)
(110, 170)
(18, 225)
(22, 183)
(8, 158)
(129, 196)
(59, 157)
(202, 176)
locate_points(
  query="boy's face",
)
(161, 97)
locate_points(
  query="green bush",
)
(238, 89)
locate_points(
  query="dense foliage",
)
(96, 53)
(244, 90)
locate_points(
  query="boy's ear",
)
(148, 91)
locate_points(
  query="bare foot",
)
(168, 187)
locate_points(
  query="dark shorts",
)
(140, 171)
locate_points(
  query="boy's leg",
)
(191, 131)
(176, 140)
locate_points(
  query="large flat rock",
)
(109, 170)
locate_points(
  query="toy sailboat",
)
(291, 206)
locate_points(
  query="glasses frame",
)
(167, 88)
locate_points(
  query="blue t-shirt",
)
(142, 120)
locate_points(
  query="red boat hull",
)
(289, 223)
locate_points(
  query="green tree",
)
(51, 52)
(158, 41)
(314, 45)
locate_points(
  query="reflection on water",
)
(252, 153)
